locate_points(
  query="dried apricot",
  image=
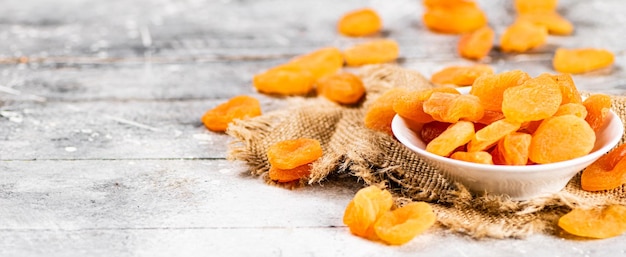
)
(490, 117)
(554, 22)
(454, 20)
(595, 223)
(575, 109)
(535, 99)
(455, 135)
(289, 154)
(321, 62)
(598, 107)
(449, 107)
(285, 80)
(476, 44)
(367, 206)
(561, 138)
(343, 88)
(513, 148)
(489, 136)
(432, 130)
(569, 92)
(411, 104)
(238, 107)
(490, 88)
(288, 175)
(460, 75)
(606, 173)
(528, 6)
(448, 3)
(361, 22)
(380, 113)
(475, 157)
(399, 226)
(522, 36)
(581, 60)
(373, 52)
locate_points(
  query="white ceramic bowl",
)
(519, 182)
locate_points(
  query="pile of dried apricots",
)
(508, 118)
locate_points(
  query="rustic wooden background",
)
(102, 152)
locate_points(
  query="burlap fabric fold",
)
(378, 158)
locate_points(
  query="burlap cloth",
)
(377, 158)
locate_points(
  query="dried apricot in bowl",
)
(238, 107)
(361, 22)
(490, 88)
(365, 208)
(535, 99)
(595, 223)
(372, 52)
(581, 60)
(606, 173)
(343, 88)
(399, 226)
(289, 154)
(561, 138)
(598, 107)
(477, 44)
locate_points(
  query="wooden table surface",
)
(102, 152)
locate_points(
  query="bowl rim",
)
(398, 123)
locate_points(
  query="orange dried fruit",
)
(606, 173)
(490, 117)
(288, 175)
(343, 88)
(523, 36)
(535, 99)
(285, 80)
(475, 157)
(489, 136)
(238, 107)
(513, 148)
(460, 75)
(554, 22)
(598, 107)
(490, 88)
(449, 107)
(380, 112)
(569, 92)
(454, 20)
(561, 138)
(575, 109)
(448, 3)
(530, 6)
(321, 62)
(360, 22)
(581, 60)
(373, 52)
(476, 44)
(411, 104)
(367, 206)
(289, 154)
(455, 135)
(595, 223)
(432, 130)
(399, 226)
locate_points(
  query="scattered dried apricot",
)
(561, 138)
(598, 107)
(449, 107)
(489, 136)
(321, 62)
(535, 99)
(373, 52)
(490, 88)
(477, 44)
(380, 113)
(455, 135)
(460, 75)
(457, 19)
(285, 80)
(361, 22)
(411, 104)
(595, 223)
(554, 22)
(288, 175)
(529, 6)
(606, 173)
(475, 157)
(289, 154)
(399, 226)
(343, 88)
(367, 206)
(522, 36)
(581, 60)
(238, 107)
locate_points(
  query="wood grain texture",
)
(102, 152)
